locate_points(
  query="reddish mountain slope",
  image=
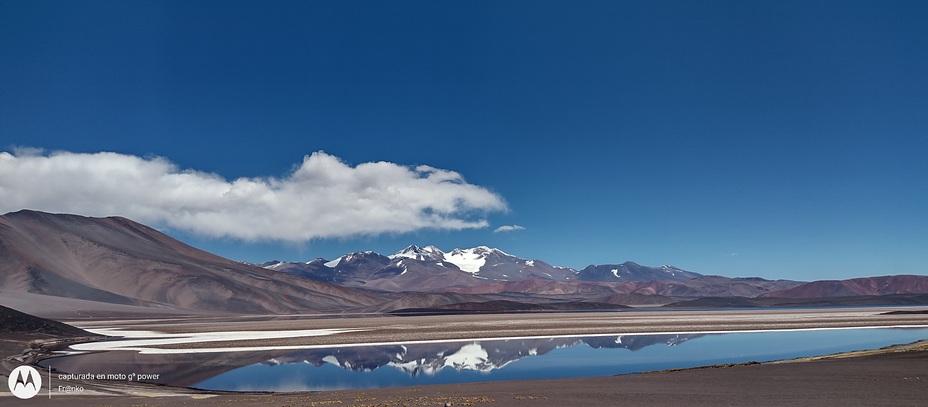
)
(901, 284)
(116, 260)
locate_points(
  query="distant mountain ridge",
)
(431, 269)
(485, 271)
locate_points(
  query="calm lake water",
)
(386, 366)
(471, 361)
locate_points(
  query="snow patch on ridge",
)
(419, 253)
(470, 260)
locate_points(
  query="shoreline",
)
(178, 348)
(425, 329)
(810, 377)
(903, 365)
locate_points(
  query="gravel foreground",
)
(895, 376)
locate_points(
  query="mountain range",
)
(76, 266)
(484, 270)
(430, 269)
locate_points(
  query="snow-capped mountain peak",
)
(273, 264)
(420, 253)
(429, 268)
(469, 260)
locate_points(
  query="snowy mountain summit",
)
(472, 260)
(429, 268)
(420, 253)
(467, 260)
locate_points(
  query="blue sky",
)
(783, 139)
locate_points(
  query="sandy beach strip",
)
(393, 329)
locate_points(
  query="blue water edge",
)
(365, 367)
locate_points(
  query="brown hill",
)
(118, 261)
(540, 287)
(885, 285)
(842, 301)
(422, 300)
(708, 286)
(703, 286)
(15, 322)
(505, 306)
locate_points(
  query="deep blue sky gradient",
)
(783, 139)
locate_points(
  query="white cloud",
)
(323, 197)
(508, 228)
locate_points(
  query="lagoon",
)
(440, 362)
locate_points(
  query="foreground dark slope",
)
(25, 325)
(116, 260)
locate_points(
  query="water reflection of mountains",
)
(186, 369)
(483, 356)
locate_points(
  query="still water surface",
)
(455, 362)
(360, 367)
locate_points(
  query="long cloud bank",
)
(322, 198)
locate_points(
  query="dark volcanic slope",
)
(704, 286)
(855, 300)
(901, 284)
(15, 322)
(116, 260)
